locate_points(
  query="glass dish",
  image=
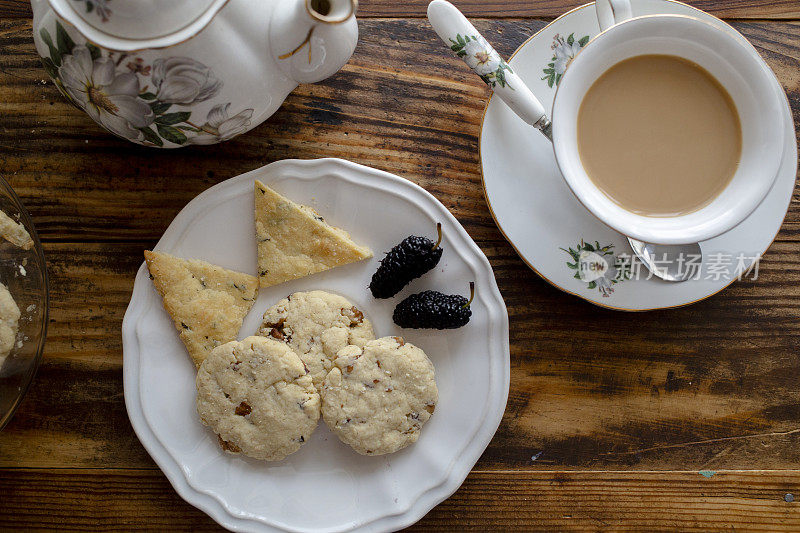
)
(24, 273)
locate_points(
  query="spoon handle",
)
(463, 39)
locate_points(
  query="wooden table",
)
(680, 419)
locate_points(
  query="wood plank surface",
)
(759, 9)
(411, 109)
(598, 399)
(713, 385)
(656, 400)
(125, 500)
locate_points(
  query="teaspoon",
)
(677, 262)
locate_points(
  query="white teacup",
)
(734, 64)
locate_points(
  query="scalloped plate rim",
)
(458, 468)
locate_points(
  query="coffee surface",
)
(659, 135)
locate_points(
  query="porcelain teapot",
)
(171, 73)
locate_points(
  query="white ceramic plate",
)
(542, 219)
(325, 486)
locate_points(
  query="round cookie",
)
(377, 398)
(257, 396)
(316, 325)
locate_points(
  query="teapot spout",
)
(311, 40)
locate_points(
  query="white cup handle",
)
(465, 41)
(611, 12)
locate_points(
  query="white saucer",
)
(548, 227)
(325, 486)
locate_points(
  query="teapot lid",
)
(135, 19)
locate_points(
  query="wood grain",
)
(712, 386)
(411, 109)
(124, 500)
(760, 9)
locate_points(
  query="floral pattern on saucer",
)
(598, 267)
(564, 50)
(146, 103)
(482, 58)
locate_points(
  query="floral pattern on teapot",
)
(146, 103)
(100, 7)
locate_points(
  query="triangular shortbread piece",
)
(294, 240)
(207, 303)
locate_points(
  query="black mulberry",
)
(407, 261)
(434, 310)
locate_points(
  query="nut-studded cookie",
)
(316, 325)
(257, 396)
(377, 398)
